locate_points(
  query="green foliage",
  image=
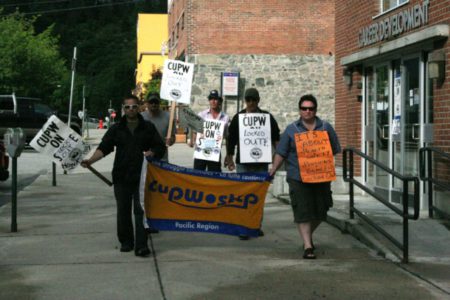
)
(154, 84)
(105, 38)
(30, 63)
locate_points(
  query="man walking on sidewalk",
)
(133, 137)
(161, 120)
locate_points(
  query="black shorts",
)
(310, 201)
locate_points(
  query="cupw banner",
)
(182, 199)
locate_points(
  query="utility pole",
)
(83, 123)
(74, 62)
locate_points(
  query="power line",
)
(77, 8)
(34, 3)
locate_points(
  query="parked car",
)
(30, 114)
(4, 163)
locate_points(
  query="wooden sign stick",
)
(172, 116)
(97, 173)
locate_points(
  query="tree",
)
(30, 63)
(154, 84)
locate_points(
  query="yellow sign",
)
(315, 157)
(182, 199)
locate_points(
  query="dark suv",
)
(30, 114)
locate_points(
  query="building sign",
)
(176, 81)
(230, 84)
(394, 25)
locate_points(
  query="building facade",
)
(283, 48)
(151, 47)
(393, 87)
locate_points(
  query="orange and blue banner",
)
(182, 199)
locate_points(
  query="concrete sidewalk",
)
(66, 248)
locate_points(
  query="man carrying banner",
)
(308, 146)
(205, 156)
(254, 131)
(133, 137)
(160, 119)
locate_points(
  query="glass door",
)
(406, 136)
(377, 125)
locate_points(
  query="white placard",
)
(230, 84)
(60, 143)
(188, 118)
(209, 143)
(176, 81)
(255, 142)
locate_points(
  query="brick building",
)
(283, 48)
(393, 86)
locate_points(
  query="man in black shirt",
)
(133, 138)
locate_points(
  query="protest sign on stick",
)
(60, 143)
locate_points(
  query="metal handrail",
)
(426, 159)
(404, 212)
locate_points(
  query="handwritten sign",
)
(209, 143)
(255, 142)
(60, 143)
(176, 83)
(315, 157)
(188, 118)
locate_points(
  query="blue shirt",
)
(287, 149)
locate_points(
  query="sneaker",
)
(244, 237)
(143, 252)
(126, 248)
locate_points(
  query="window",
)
(182, 21)
(390, 4)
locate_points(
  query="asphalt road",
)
(30, 165)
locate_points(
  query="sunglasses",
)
(303, 108)
(250, 100)
(132, 106)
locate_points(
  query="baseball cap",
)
(153, 99)
(252, 93)
(213, 94)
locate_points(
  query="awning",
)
(431, 33)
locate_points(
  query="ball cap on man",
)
(252, 93)
(213, 94)
(153, 99)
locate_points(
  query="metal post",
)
(53, 174)
(74, 62)
(405, 222)
(430, 183)
(14, 195)
(83, 123)
(352, 199)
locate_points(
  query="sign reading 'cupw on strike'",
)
(176, 83)
(315, 157)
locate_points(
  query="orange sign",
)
(315, 157)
